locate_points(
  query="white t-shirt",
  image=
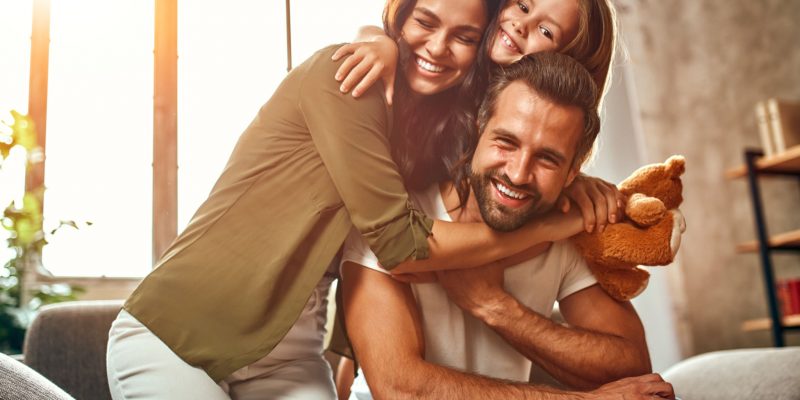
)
(454, 338)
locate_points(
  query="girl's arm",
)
(372, 55)
(456, 245)
(597, 202)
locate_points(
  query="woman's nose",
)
(437, 45)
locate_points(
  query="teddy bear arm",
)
(622, 284)
(645, 210)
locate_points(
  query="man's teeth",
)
(508, 192)
(507, 40)
(428, 66)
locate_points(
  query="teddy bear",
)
(650, 234)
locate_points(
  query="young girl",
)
(236, 305)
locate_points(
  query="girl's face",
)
(531, 26)
(443, 38)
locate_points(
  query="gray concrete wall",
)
(698, 67)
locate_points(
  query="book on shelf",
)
(784, 123)
(787, 292)
(764, 128)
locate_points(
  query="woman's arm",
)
(370, 56)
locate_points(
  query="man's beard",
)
(499, 216)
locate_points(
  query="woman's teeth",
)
(428, 66)
(508, 192)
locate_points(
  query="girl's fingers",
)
(612, 200)
(367, 81)
(356, 74)
(388, 82)
(600, 206)
(343, 51)
(587, 209)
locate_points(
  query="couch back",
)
(67, 344)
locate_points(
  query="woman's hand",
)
(599, 202)
(365, 63)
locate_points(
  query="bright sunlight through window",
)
(232, 55)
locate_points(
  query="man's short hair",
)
(555, 77)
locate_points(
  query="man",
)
(537, 124)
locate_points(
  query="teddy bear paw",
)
(679, 226)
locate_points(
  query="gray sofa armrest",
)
(67, 344)
(18, 382)
(769, 373)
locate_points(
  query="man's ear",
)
(573, 172)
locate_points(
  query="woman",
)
(236, 305)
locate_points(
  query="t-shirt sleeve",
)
(356, 251)
(575, 273)
(352, 138)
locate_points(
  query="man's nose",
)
(520, 170)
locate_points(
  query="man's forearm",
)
(423, 380)
(577, 357)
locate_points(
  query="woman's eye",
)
(546, 32)
(522, 6)
(423, 23)
(467, 40)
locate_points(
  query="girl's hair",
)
(595, 42)
(432, 132)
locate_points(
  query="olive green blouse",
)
(313, 163)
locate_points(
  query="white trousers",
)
(141, 366)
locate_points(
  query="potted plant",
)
(20, 294)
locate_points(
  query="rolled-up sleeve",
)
(352, 138)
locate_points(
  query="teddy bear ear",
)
(676, 165)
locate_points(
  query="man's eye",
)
(523, 7)
(546, 32)
(549, 160)
(505, 142)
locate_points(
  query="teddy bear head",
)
(662, 181)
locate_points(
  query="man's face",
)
(524, 157)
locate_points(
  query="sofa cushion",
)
(769, 373)
(18, 382)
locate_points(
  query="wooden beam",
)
(288, 37)
(165, 127)
(37, 87)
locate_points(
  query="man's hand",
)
(650, 386)
(474, 288)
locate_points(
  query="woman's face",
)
(531, 26)
(443, 38)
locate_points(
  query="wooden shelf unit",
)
(761, 324)
(786, 240)
(785, 163)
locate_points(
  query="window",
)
(99, 149)
(99, 137)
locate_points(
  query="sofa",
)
(744, 374)
(65, 359)
(66, 344)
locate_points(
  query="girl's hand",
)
(600, 202)
(365, 63)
